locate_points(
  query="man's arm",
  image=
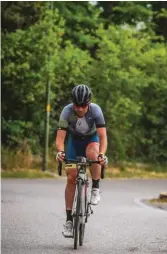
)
(103, 139)
(62, 129)
(101, 129)
(60, 139)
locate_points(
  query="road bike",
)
(81, 208)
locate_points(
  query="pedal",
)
(91, 211)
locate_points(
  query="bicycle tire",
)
(82, 225)
(87, 212)
(81, 233)
(76, 218)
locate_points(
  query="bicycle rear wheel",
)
(76, 217)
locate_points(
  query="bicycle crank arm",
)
(91, 210)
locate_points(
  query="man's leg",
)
(92, 152)
(70, 189)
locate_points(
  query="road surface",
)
(33, 216)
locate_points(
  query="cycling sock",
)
(95, 183)
(69, 216)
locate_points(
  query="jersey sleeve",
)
(63, 120)
(99, 117)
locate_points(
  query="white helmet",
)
(81, 95)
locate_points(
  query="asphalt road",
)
(33, 216)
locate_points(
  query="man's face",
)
(81, 110)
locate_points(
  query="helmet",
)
(81, 94)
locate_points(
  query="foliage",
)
(16, 159)
(147, 15)
(30, 59)
(125, 66)
(82, 19)
(131, 72)
(126, 12)
(20, 15)
(26, 66)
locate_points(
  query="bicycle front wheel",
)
(77, 214)
(83, 213)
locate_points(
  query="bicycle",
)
(81, 208)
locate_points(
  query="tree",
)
(151, 14)
(129, 80)
(81, 22)
(20, 15)
(27, 66)
(125, 65)
(160, 17)
(30, 58)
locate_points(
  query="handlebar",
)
(80, 161)
(60, 168)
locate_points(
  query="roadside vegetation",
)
(23, 164)
(118, 48)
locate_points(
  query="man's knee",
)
(71, 176)
(92, 151)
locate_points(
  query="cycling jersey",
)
(81, 126)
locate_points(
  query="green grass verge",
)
(135, 172)
(139, 175)
(30, 174)
(158, 200)
(156, 203)
(111, 172)
(108, 174)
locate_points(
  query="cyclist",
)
(87, 137)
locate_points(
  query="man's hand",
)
(103, 159)
(60, 156)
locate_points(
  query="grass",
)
(158, 200)
(131, 172)
(26, 173)
(111, 172)
(22, 164)
(156, 203)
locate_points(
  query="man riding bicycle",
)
(84, 122)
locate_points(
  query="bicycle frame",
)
(81, 207)
(81, 176)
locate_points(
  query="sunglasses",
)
(82, 105)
